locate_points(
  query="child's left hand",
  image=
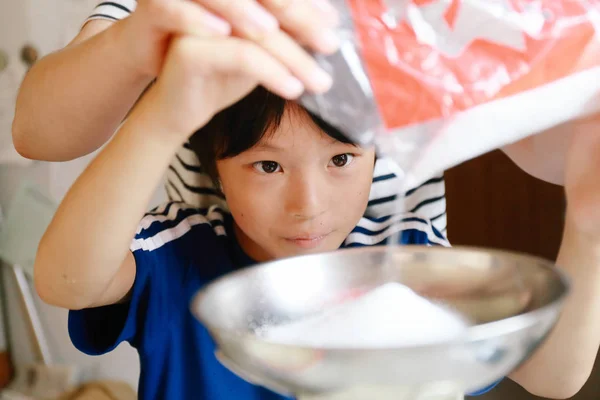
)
(582, 179)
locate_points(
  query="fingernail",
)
(326, 7)
(320, 80)
(293, 87)
(280, 3)
(262, 18)
(328, 41)
(217, 24)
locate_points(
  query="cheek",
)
(353, 193)
(356, 187)
(245, 205)
(252, 208)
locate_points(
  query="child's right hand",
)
(201, 77)
(308, 22)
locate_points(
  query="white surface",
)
(26, 220)
(123, 363)
(14, 27)
(47, 25)
(390, 316)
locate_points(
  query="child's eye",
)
(341, 160)
(267, 167)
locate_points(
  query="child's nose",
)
(306, 199)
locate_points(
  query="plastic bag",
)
(432, 83)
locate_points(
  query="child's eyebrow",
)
(336, 142)
(267, 146)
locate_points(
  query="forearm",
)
(89, 237)
(72, 101)
(563, 363)
(542, 155)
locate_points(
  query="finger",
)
(241, 57)
(247, 17)
(308, 21)
(187, 18)
(301, 64)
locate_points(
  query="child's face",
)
(297, 191)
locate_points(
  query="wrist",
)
(124, 33)
(574, 235)
(147, 124)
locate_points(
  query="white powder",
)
(391, 315)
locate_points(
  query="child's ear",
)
(219, 186)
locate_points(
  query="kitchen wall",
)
(47, 25)
(120, 364)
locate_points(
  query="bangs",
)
(244, 124)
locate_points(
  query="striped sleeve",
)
(166, 239)
(405, 228)
(113, 10)
(171, 221)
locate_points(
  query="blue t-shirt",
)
(178, 249)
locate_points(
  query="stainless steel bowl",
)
(513, 300)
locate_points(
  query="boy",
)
(292, 185)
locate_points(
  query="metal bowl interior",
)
(513, 300)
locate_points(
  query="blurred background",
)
(490, 203)
(29, 192)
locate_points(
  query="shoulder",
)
(173, 221)
(428, 199)
(188, 182)
(406, 228)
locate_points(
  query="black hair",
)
(242, 125)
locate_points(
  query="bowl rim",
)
(476, 333)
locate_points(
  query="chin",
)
(295, 249)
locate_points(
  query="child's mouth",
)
(307, 241)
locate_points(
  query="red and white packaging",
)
(433, 83)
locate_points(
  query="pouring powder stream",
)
(399, 208)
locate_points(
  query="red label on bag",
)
(431, 58)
